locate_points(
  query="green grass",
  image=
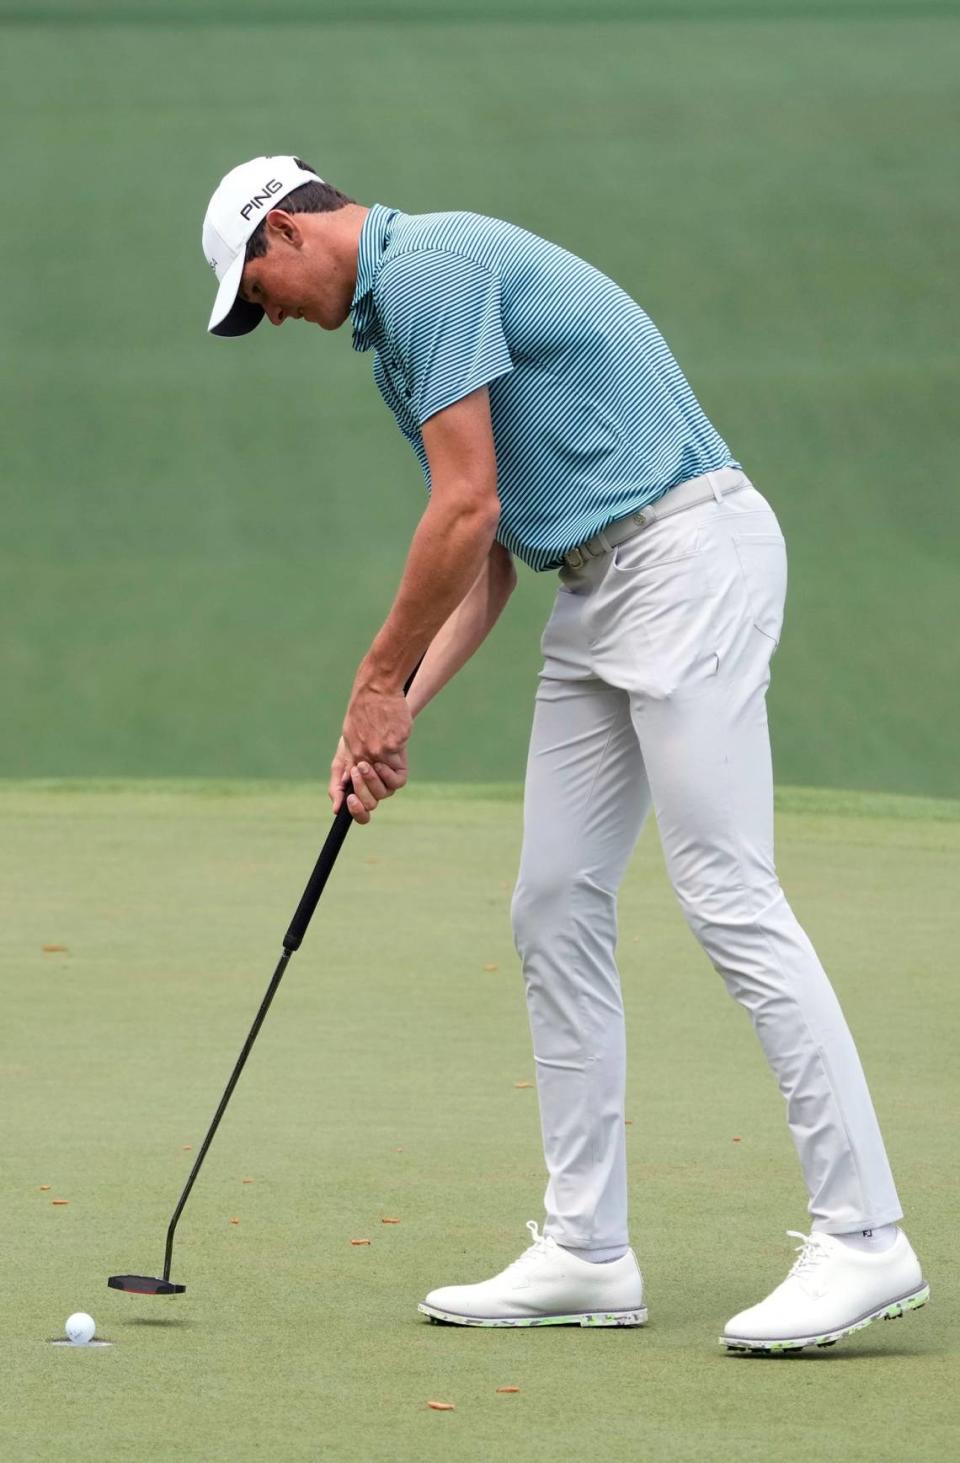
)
(201, 537)
(383, 1084)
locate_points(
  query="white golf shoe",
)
(831, 1291)
(546, 1286)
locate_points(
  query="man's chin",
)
(328, 324)
(325, 323)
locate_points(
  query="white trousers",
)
(653, 692)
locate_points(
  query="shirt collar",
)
(374, 237)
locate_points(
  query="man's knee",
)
(555, 897)
(537, 895)
(728, 919)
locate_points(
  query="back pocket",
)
(763, 564)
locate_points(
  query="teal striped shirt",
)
(592, 416)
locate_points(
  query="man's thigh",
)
(686, 626)
(585, 793)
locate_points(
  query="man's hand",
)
(371, 784)
(377, 723)
(372, 751)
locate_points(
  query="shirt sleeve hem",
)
(483, 377)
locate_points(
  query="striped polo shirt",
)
(592, 416)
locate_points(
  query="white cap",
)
(242, 199)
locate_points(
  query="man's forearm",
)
(465, 630)
(446, 555)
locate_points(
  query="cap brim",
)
(232, 315)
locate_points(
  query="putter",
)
(163, 1285)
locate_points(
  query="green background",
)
(200, 537)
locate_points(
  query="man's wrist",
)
(379, 678)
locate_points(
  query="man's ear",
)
(284, 228)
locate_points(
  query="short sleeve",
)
(441, 315)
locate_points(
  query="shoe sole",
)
(583, 1318)
(891, 1311)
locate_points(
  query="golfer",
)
(553, 425)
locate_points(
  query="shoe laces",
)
(540, 1244)
(813, 1252)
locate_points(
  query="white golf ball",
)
(80, 1328)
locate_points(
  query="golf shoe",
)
(831, 1291)
(546, 1286)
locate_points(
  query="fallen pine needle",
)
(44, 1188)
(523, 1084)
(441, 1406)
(54, 949)
(389, 1221)
(361, 1241)
(59, 1201)
(246, 1181)
(187, 1148)
(508, 1389)
(491, 967)
(234, 1221)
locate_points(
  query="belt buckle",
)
(574, 558)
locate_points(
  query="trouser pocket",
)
(763, 565)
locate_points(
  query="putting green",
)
(389, 1083)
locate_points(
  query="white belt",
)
(685, 495)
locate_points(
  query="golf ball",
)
(80, 1328)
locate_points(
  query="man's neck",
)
(347, 225)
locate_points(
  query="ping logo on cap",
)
(259, 199)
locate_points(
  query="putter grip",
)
(328, 857)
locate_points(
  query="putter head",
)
(145, 1285)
